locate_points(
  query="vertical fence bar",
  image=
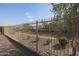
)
(64, 33)
(37, 36)
(51, 37)
(77, 36)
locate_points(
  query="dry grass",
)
(45, 46)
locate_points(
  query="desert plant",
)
(62, 42)
(28, 37)
(47, 42)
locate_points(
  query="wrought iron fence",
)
(43, 38)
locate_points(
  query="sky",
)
(19, 13)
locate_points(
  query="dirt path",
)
(34, 35)
(7, 48)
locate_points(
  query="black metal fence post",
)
(37, 36)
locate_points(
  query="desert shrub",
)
(34, 41)
(28, 37)
(63, 41)
(47, 42)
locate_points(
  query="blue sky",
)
(13, 14)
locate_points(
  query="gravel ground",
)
(28, 41)
(7, 48)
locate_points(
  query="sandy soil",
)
(28, 39)
(7, 48)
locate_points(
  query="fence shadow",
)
(26, 51)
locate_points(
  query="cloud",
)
(29, 17)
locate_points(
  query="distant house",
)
(39, 26)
